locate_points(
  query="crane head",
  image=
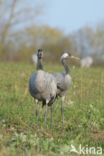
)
(40, 54)
(65, 55)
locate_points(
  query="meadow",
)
(83, 109)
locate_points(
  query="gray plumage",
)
(42, 85)
(63, 83)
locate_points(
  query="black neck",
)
(39, 65)
(65, 66)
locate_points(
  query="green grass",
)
(84, 113)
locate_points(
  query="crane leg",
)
(37, 112)
(45, 114)
(62, 110)
(51, 119)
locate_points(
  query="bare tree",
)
(14, 15)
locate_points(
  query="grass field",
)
(84, 113)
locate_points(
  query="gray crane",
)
(63, 80)
(42, 86)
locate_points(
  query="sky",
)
(71, 15)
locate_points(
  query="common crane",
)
(63, 80)
(42, 86)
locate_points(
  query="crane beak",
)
(76, 58)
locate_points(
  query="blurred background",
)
(55, 26)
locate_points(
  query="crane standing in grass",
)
(42, 86)
(63, 80)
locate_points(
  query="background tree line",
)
(21, 35)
